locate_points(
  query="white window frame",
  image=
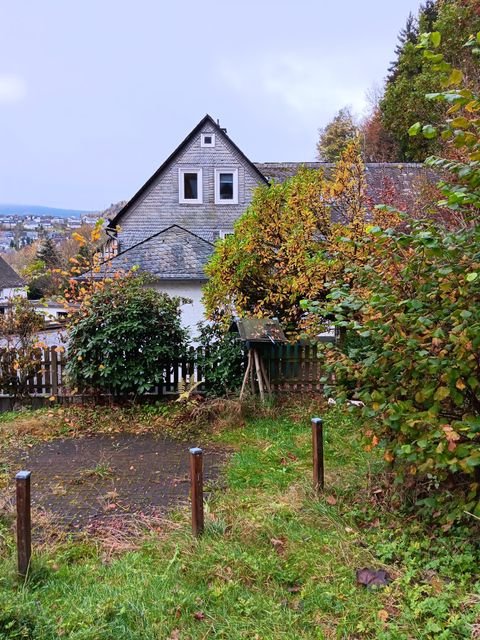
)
(234, 200)
(207, 144)
(181, 185)
(223, 234)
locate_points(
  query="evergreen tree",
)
(336, 135)
(411, 76)
(48, 254)
(409, 34)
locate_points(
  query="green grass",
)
(276, 562)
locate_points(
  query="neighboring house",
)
(169, 226)
(11, 284)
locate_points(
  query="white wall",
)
(6, 294)
(192, 313)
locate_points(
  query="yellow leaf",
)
(382, 615)
(78, 238)
(460, 384)
(442, 393)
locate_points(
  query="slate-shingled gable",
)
(9, 279)
(156, 205)
(171, 254)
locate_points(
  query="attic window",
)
(226, 186)
(190, 186)
(207, 140)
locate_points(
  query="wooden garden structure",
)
(256, 333)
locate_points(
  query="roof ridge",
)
(332, 164)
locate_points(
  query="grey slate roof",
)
(380, 175)
(9, 279)
(173, 253)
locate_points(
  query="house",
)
(169, 226)
(11, 284)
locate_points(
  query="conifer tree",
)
(336, 135)
(48, 254)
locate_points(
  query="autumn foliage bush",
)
(414, 306)
(281, 250)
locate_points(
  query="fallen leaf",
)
(388, 456)
(382, 615)
(278, 545)
(331, 500)
(199, 615)
(372, 577)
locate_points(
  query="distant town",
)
(21, 225)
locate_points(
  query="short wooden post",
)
(317, 445)
(24, 522)
(196, 491)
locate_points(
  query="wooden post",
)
(247, 373)
(24, 522)
(317, 445)
(196, 491)
(259, 375)
(265, 375)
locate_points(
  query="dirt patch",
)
(80, 481)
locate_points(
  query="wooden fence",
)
(289, 367)
(293, 367)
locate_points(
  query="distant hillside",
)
(36, 210)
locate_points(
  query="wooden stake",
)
(259, 375)
(196, 491)
(265, 376)
(247, 372)
(252, 373)
(24, 522)
(317, 446)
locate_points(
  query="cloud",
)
(12, 88)
(309, 86)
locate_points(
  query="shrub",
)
(21, 357)
(415, 303)
(121, 336)
(221, 360)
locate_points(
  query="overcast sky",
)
(95, 94)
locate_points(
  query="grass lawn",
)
(275, 561)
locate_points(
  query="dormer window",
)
(226, 186)
(207, 140)
(190, 186)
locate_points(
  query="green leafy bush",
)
(121, 336)
(221, 359)
(417, 301)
